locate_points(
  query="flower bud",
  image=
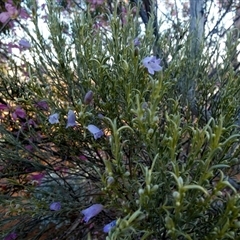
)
(176, 194)
(140, 191)
(150, 131)
(110, 180)
(88, 97)
(136, 51)
(155, 119)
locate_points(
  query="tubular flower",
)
(92, 211)
(97, 133)
(43, 105)
(109, 226)
(71, 119)
(24, 43)
(18, 113)
(11, 13)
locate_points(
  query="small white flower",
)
(54, 118)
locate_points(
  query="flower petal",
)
(109, 226)
(88, 97)
(71, 120)
(3, 106)
(152, 64)
(55, 206)
(20, 112)
(24, 43)
(11, 236)
(92, 211)
(97, 133)
(4, 16)
(43, 105)
(54, 118)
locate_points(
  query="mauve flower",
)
(123, 15)
(38, 177)
(19, 112)
(24, 43)
(31, 122)
(11, 13)
(23, 14)
(29, 147)
(71, 119)
(92, 211)
(82, 157)
(96, 2)
(54, 118)
(88, 97)
(42, 105)
(136, 42)
(152, 64)
(109, 226)
(97, 133)
(11, 236)
(3, 106)
(55, 206)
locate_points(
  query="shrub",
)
(97, 141)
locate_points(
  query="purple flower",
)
(24, 43)
(38, 177)
(54, 118)
(92, 211)
(29, 147)
(152, 64)
(136, 42)
(97, 133)
(11, 236)
(82, 157)
(88, 97)
(12, 12)
(31, 122)
(71, 119)
(23, 14)
(3, 107)
(109, 226)
(55, 206)
(96, 2)
(42, 105)
(19, 112)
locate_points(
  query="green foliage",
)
(161, 170)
